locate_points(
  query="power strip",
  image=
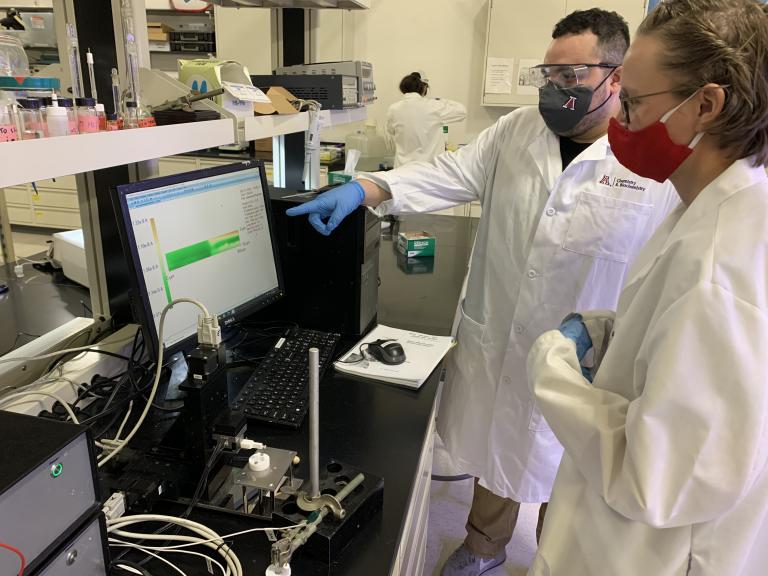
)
(78, 370)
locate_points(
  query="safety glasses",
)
(563, 75)
(628, 102)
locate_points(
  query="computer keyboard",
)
(278, 391)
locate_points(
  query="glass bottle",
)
(31, 119)
(131, 115)
(87, 117)
(101, 113)
(8, 132)
(69, 105)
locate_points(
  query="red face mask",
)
(650, 152)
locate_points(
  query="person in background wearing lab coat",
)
(561, 220)
(415, 123)
(665, 468)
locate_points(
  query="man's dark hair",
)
(611, 30)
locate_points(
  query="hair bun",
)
(416, 75)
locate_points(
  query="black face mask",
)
(563, 108)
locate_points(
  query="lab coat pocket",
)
(469, 353)
(606, 227)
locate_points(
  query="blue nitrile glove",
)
(573, 328)
(333, 205)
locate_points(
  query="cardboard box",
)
(416, 244)
(158, 32)
(339, 177)
(263, 145)
(280, 102)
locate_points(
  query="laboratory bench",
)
(381, 429)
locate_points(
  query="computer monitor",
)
(206, 235)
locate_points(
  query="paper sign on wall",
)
(523, 85)
(498, 75)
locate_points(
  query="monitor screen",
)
(205, 235)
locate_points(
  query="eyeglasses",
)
(563, 75)
(627, 102)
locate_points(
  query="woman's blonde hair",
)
(722, 42)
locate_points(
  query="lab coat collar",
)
(412, 96)
(738, 176)
(545, 151)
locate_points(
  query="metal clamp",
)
(304, 502)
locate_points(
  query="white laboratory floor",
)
(28, 240)
(448, 508)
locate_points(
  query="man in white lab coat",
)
(561, 220)
(665, 471)
(415, 123)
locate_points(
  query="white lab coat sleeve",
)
(449, 180)
(451, 111)
(692, 443)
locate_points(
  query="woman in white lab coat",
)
(415, 123)
(664, 471)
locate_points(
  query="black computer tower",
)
(331, 282)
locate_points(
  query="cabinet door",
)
(57, 218)
(20, 215)
(169, 166)
(54, 199)
(17, 195)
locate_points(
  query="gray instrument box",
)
(47, 486)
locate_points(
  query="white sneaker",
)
(463, 563)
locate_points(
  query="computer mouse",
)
(387, 352)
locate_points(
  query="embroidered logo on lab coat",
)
(621, 183)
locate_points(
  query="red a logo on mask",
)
(605, 180)
(571, 104)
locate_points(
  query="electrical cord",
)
(23, 395)
(168, 562)
(156, 382)
(135, 568)
(58, 353)
(18, 553)
(123, 544)
(210, 538)
(215, 453)
(441, 478)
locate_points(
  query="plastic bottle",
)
(32, 125)
(372, 146)
(69, 105)
(57, 119)
(87, 117)
(8, 132)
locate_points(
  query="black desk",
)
(375, 427)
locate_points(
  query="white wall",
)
(245, 35)
(444, 38)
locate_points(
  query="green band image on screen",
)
(202, 250)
